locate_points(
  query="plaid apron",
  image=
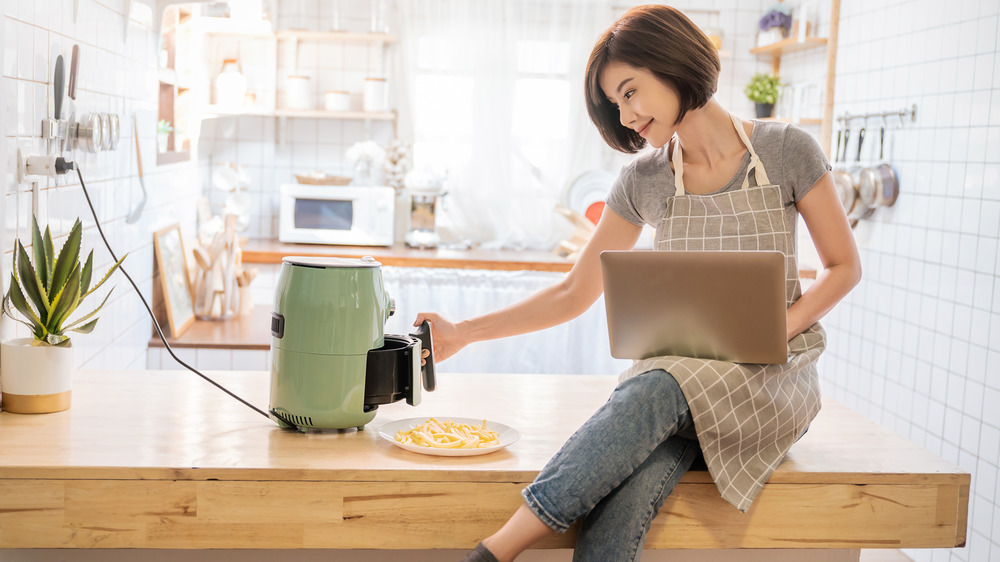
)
(746, 416)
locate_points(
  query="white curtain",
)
(576, 347)
(492, 92)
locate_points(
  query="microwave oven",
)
(341, 215)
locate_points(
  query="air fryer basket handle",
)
(423, 333)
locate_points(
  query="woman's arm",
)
(831, 234)
(549, 307)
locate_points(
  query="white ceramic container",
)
(298, 93)
(376, 94)
(337, 101)
(35, 379)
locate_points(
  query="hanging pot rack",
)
(902, 114)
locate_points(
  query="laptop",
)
(728, 306)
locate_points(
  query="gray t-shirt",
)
(792, 158)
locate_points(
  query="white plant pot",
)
(35, 379)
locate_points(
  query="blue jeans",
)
(617, 469)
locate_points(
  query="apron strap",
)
(756, 166)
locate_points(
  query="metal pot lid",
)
(328, 262)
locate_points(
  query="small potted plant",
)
(763, 91)
(774, 25)
(36, 372)
(163, 130)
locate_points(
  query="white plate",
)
(508, 435)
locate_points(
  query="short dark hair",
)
(664, 41)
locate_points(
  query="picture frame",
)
(175, 284)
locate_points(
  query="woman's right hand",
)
(447, 338)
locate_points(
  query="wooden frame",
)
(178, 296)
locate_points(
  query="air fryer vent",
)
(299, 420)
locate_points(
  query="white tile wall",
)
(117, 74)
(272, 150)
(916, 346)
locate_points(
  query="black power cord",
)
(62, 166)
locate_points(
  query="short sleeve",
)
(621, 199)
(804, 162)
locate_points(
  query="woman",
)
(713, 182)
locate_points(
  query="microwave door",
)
(324, 214)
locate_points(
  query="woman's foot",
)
(480, 554)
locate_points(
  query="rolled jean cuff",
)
(541, 513)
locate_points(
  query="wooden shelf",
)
(259, 29)
(790, 45)
(801, 121)
(334, 36)
(217, 110)
(321, 114)
(172, 156)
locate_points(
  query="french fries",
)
(447, 434)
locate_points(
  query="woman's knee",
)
(654, 385)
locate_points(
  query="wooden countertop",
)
(246, 331)
(162, 459)
(271, 251)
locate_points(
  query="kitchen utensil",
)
(332, 365)
(861, 208)
(867, 182)
(888, 184)
(74, 65)
(841, 178)
(508, 436)
(134, 215)
(89, 132)
(105, 131)
(202, 258)
(58, 82)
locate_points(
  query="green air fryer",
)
(331, 364)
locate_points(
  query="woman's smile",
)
(642, 130)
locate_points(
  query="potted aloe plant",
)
(36, 372)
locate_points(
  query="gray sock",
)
(480, 554)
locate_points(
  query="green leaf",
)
(38, 248)
(50, 253)
(89, 315)
(31, 284)
(69, 259)
(10, 314)
(66, 301)
(105, 278)
(16, 298)
(86, 328)
(88, 270)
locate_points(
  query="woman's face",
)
(646, 104)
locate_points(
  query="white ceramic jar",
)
(337, 101)
(298, 93)
(230, 86)
(376, 94)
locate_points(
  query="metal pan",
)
(861, 209)
(888, 183)
(842, 179)
(869, 183)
